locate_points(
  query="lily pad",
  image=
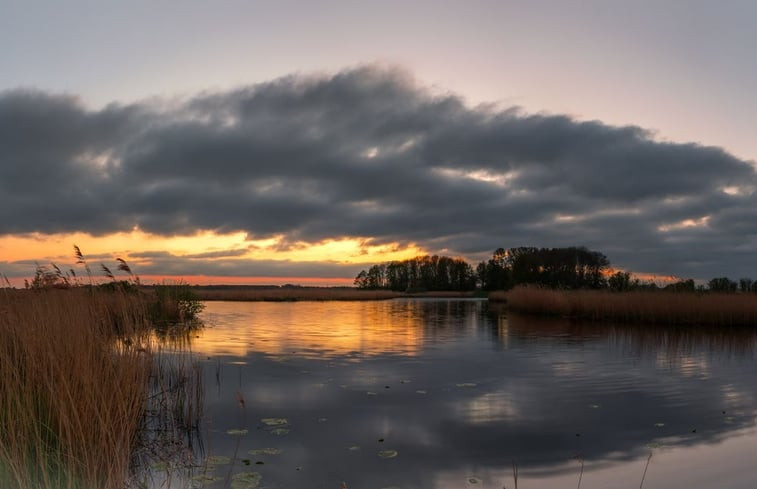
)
(246, 480)
(236, 432)
(387, 453)
(279, 431)
(218, 460)
(266, 451)
(274, 421)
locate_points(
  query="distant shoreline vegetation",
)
(573, 268)
(575, 283)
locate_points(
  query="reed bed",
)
(673, 308)
(497, 296)
(76, 368)
(284, 294)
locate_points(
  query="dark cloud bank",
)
(367, 152)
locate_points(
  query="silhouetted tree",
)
(722, 284)
(687, 285)
(747, 285)
(419, 273)
(620, 282)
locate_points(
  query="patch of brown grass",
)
(638, 307)
(73, 384)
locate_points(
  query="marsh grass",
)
(73, 371)
(85, 394)
(672, 308)
(173, 303)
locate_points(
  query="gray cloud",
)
(369, 153)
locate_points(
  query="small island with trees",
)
(571, 282)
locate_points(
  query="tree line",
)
(419, 273)
(557, 268)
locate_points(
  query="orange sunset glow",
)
(207, 246)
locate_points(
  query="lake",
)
(454, 393)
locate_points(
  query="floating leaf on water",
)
(466, 384)
(246, 480)
(387, 453)
(353, 448)
(236, 432)
(279, 431)
(218, 460)
(474, 480)
(421, 391)
(266, 451)
(274, 421)
(659, 425)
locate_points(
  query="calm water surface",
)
(454, 393)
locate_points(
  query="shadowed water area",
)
(454, 393)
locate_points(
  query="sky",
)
(299, 142)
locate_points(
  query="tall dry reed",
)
(684, 308)
(74, 371)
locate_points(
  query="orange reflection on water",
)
(309, 329)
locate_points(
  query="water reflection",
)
(460, 392)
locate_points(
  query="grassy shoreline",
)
(640, 307)
(77, 374)
(292, 294)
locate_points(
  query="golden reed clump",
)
(660, 307)
(74, 371)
